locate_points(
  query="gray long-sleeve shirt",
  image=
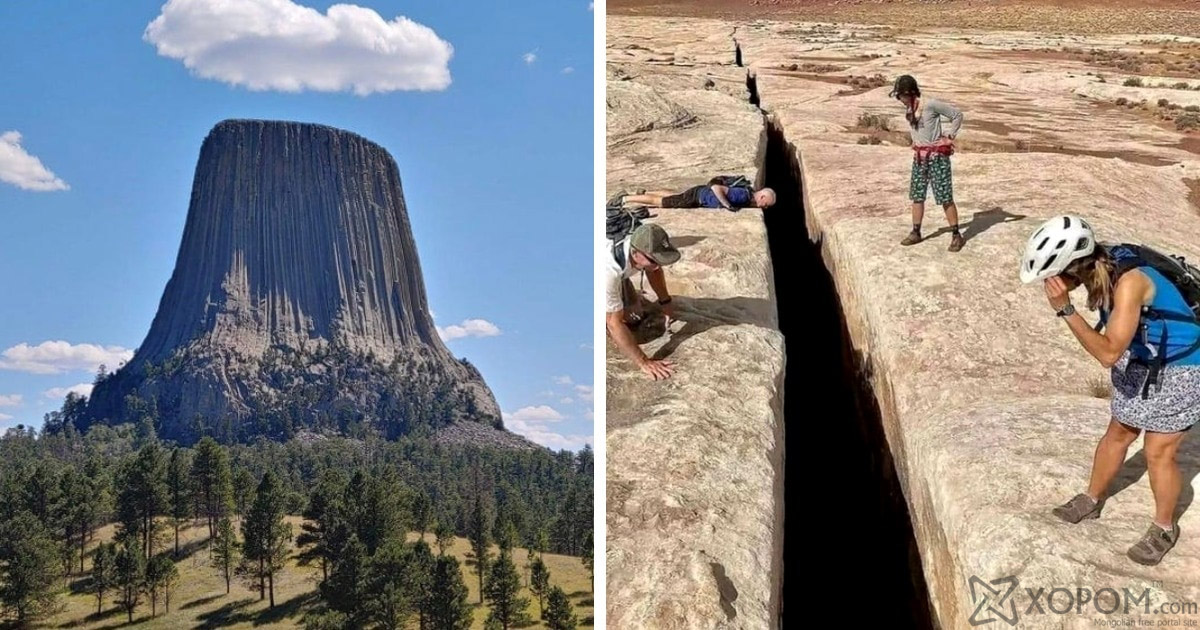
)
(929, 126)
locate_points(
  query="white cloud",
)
(590, 415)
(83, 389)
(469, 328)
(529, 58)
(591, 6)
(586, 346)
(280, 45)
(531, 423)
(11, 400)
(568, 70)
(540, 413)
(562, 380)
(22, 170)
(5, 417)
(584, 392)
(56, 357)
(566, 400)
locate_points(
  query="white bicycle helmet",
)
(1055, 245)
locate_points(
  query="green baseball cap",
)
(652, 240)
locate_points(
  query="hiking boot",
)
(1154, 545)
(913, 238)
(956, 242)
(1080, 506)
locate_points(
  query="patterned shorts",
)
(1176, 407)
(934, 171)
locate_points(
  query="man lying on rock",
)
(1150, 342)
(729, 192)
(931, 156)
(646, 249)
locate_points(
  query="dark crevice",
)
(737, 54)
(845, 513)
(752, 88)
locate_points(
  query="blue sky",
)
(486, 107)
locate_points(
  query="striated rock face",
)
(297, 291)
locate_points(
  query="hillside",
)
(200, 600)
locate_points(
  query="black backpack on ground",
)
(619, 222)
(1186, 279)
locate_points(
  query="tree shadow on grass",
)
(94, 617)
(578, 594)
(226, 615)
(202, 601)
(287, 609)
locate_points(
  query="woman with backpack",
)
(1150, 341)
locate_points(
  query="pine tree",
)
(92, 505)
(178, 486)
(503, 592)
(389, 590)
(479, 541)
(243, 490)
(448, 607)
(131, 574)
(104, 571)
(29, 557)
(420, 572)
(266, 535)
(588, 560)
(161, 575)
(143, 494)
(421, 506)
(225, 550)
(559, 614)
(539, 583)
(323, 513)
(445, 536)
(344, 591)
(213, 482)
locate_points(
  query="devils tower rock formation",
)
(297, 301)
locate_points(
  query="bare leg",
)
(1164, 474)
(1110, 455)
(918, 215)
(951, 214)
(956, 237)
(653, 198)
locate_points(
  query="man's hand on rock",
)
(658, 370)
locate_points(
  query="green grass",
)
(199, 600)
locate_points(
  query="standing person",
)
(1150, 342)
(647, 249)
(932, 148)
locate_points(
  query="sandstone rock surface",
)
(990, 408)
(694, 462)
(297, 285)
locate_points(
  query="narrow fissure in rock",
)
(737, 54)
(752, 88)
(845, 519)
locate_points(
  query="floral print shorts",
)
(933, 171)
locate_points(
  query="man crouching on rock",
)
(646, 249)
(932, 148)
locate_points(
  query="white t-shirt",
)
(614, 275)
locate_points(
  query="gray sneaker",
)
(1080, 506)
(1155, 544)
